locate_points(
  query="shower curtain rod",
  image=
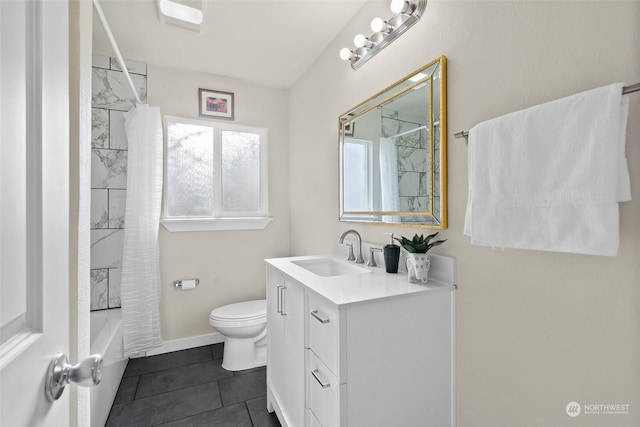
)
(625, 90)
(406, 132)
(107, 30)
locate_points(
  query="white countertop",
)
(373, 283)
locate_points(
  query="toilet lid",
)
(241, 310)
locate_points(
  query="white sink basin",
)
(329, 267)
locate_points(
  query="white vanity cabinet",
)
(380, 363)
(376, 351)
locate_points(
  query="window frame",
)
(368, 144)
(219, 220)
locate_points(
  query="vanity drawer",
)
(324, 331)
(323, 392)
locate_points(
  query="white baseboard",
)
(185, 343)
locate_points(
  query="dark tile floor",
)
(190, 388)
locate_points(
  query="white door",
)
(34, 208)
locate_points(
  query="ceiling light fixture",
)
(180, 11)
(179, 14)
(405, 14)
(417, 77)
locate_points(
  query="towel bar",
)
(625, 90)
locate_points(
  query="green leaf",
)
(421, 248)
(436, 243)
(428, 239)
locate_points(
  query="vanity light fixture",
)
(380, 26)
(403, 6)
(362, 41)
(405, 14)
(346, 54)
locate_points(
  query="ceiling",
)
(268, 42)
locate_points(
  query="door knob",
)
(60, 373)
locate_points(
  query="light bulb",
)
(397, 6)
(377, 25)
(359, 40)
(345, 54)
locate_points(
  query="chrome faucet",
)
(359, 260)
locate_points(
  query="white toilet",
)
(244, 326)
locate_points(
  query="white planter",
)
(418, 267)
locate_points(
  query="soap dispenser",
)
(391, 256)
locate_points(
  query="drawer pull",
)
(279, 299)
(283, 304)
(320, 318)
(323, 383)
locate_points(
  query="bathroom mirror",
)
(393, 166)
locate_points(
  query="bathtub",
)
(106, 339)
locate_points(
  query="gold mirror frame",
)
(432, 77)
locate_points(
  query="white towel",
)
(550, 177)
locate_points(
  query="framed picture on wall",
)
(215, 104)
(349, 127)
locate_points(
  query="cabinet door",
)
(276, 364)
(285, 341)
(293, 313)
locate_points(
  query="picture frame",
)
(215, 104)
(349, 128)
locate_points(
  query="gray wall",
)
(535, 330)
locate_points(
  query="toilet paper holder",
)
(178, 283)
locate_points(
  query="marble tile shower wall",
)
(436, 170)
(111, 97)
(411, 137)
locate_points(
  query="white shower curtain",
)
(389, 177)
(140, 288)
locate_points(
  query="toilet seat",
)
(242, 313)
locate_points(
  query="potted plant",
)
(418, 262)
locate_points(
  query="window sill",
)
(213, 224)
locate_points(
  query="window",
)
(215, 176)
(357, 170)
